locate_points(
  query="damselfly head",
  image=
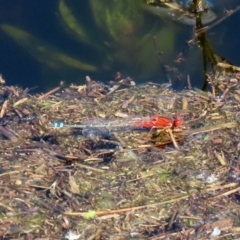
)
(177, 120)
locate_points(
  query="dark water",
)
(134, 53)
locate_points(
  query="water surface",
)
(23, 64)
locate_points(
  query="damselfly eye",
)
(177, 120)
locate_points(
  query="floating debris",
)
(173, 175)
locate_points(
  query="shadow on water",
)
(40, 45)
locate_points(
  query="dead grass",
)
(130, 185)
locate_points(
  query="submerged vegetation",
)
(137, 37)
(119, 37)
